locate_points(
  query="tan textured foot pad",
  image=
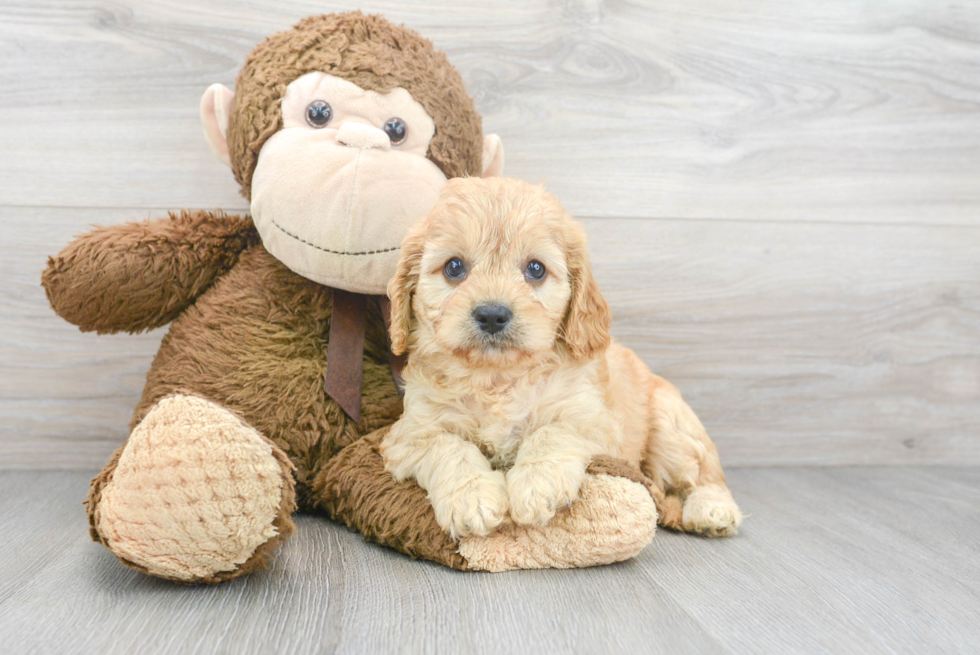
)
(194, 495)
(613, 520)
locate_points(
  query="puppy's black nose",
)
(492, 318)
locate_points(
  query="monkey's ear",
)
(402, 287)
(493, 156)
(215, 110)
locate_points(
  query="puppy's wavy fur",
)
(501, 426)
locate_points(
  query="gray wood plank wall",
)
(783, 197)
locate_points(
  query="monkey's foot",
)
(195, 495)
(613, 520)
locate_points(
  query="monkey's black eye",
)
(319, 113)
(454, 269)
(396, 130)
(535, 271)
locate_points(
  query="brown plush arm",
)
(139, 276)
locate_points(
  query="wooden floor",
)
(840, 560)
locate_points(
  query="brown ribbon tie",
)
(345, 350)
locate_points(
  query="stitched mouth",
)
(333, 252)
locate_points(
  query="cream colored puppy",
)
(513, 383)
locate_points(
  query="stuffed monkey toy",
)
(273, 386)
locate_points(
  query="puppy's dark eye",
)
(454, 269)
(396, 130)
(319, 113)
(535, 271)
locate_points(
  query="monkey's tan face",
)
(336, 189)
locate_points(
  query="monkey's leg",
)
(195, 494)
(613, 520)
(683, 463)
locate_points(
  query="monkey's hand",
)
(139, 276)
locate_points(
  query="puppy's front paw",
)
(476, 508)
(536, 491)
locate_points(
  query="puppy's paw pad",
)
(537, 491)
(712, 512)
(475, 509)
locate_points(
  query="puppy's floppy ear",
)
(402, 287)
(586, 326)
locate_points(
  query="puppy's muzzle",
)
(492, 318)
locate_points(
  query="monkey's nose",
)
(492, 318)
(359, 135)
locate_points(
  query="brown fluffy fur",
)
(279, 342)
(355, 488)
(268, 364)
(139, 276)
(373, 54)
